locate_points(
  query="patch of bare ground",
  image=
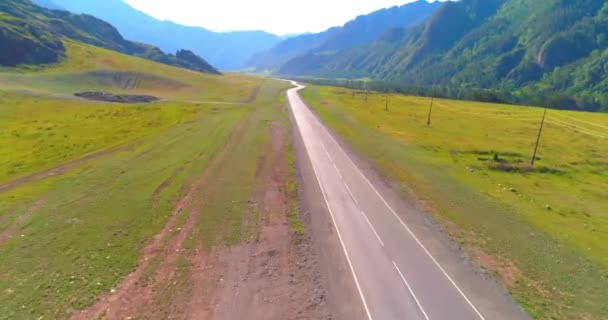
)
(253, 95)
(134, 295)
(508, 272)
(271, 276)
(169, 181)
(9, 232)
(133, 292)
(505, 271)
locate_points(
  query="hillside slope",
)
(548, 53)
(32, 35)
(48, 4)
(227, 50)
(360, 31)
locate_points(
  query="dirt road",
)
(271, 274)
(399, 266)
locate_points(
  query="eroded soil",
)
(118, 98)
(273, 277)
(271, 274)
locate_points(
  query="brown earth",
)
(119, 98)
(253, 95)
(273, 274)
(135, 292)
(169, 181)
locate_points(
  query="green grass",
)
(38, 133)
(92, 224)
(497, 204)
(41, 127)
(94, 219)
(293, 214)
(80, 72)
(237, 167)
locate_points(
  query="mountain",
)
(33, 35)
(292, 35)
(227, 51)
(551, 52)
(360, 31)
(287, 49)
(48, 4)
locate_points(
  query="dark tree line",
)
(554, 100)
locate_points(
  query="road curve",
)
(395, 274)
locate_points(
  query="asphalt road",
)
(396, 273)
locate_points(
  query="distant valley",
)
(224, 50)
(358, 32)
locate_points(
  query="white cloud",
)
(276, 16)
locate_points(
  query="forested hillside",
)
(49, 4)
(360, 31)
(551, 52)
(32, 35)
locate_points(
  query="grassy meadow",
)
(543, 231)
(68, 238)
(38, 133)
(89, 68)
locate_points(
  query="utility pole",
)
(540, 131)
(428, 121)
(366, 91)
(386, 99)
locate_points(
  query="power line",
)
(525, 118)
(583, 121)
(576, 128)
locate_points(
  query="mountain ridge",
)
(33, 35)
(226, 50)
(359, 31)
(520, 51)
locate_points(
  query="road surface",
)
(395, 274)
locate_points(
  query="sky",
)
(276, 16)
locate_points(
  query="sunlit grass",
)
(80, 72)
(94, 219)
(471, 167)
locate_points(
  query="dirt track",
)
(275, 277)
(12, 229)
(272, 275)
(60, 169)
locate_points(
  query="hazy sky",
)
(276, 16)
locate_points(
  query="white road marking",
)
(350, 192)
(344, 181)
(373, 229)
(411, 291)
(350, 264)
(409, 230)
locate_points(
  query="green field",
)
(543, 231)
(69, 237)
